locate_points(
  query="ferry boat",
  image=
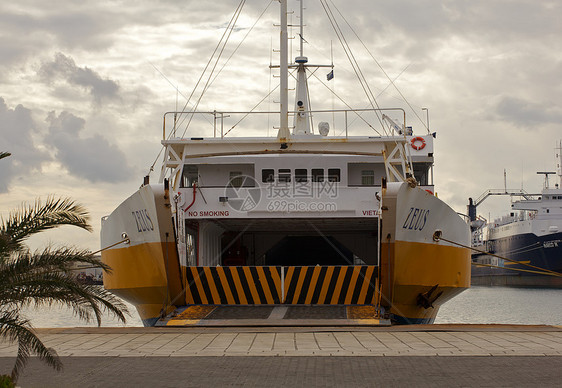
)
(526, 244)
(312, 217)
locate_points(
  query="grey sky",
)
(81, 104)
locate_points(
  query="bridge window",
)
(365, 174)
(236, 179)
(334, 174)
(367, 177)
(301, 175)
(318, 175)
(189, 175)
(284, 175)
(267, 175)
(422, 173)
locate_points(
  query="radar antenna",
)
(546, 174)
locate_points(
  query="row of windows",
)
(316, 175)
(358, 174)
(300, 175)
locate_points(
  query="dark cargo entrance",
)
(308, 251)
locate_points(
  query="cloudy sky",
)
(83, 87)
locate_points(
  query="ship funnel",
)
(471, 208)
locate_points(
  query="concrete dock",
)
(421, 355)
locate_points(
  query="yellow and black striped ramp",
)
(233, 285)
(324, 285)
(330, 285)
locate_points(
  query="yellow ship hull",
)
(145, 269)
(417, 273)
(415, 276)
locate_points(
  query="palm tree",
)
(45, 278)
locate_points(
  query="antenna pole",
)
(559, 162)
(302, 30)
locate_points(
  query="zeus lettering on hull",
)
(416, 219)
(143, 220)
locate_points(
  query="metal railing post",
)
(345, 124)
(214, 123)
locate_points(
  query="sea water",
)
(527, 306)
(481, 305)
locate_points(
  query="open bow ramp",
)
(279, 296)
(291, 315)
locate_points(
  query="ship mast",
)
(302, 104)
(301, 122)
(284, 134)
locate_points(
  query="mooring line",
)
(127, 240)
(438, 236)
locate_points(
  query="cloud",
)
(63, 68)
(525, 113)
(91, 158)
(18, 130)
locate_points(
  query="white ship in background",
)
(530, 237)
(307, 217)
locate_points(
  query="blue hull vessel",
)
(524, 248)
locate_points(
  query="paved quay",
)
(421, 355)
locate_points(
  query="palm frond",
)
(45, 278)
(4, 154)
(15, 328)
(61, 259)
(29, 220)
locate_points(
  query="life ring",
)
(415, 146)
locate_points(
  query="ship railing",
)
(220, 124)
(510, 192)
(465, 217)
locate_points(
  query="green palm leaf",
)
(4, 154)
(45, 278)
